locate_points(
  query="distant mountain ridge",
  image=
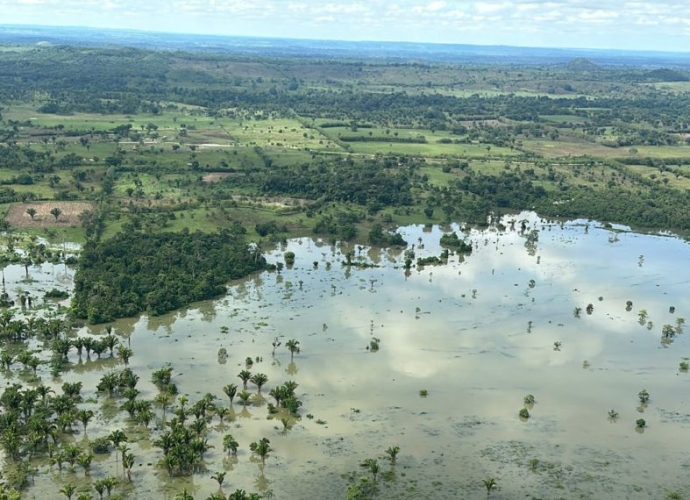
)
(576, 59)
(583, 65)
(667, 75)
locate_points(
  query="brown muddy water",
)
(479, 334)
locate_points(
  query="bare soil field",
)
(268, 201)
(216, 177)
(69, 214)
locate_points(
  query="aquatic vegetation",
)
(490, 485)
(392, 454)
(643, 396)
(372, 465)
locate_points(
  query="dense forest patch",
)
(136, 272)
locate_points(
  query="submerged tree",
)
(261, 449)
(259, 379)
(244, 375)
(230, 444)
(293, 347)
(490, 484)
(230, 391)
(392, 453)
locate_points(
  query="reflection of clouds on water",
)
(473, 352)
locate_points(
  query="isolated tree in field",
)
(293, 347)
(31, 211)
(55, 212)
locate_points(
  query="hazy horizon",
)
(569, 24)
(60, 30)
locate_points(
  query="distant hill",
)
(582, 65)
(666, 75)
(576, 59)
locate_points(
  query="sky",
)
(613, 24)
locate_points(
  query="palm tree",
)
(184, 495)
(489, 484)
(128, 463)
(84, 417)
(109, 483)
(244, 397)
(164, 399)
(110, 341)
(293, 347)
(222, 413)
(117, 437)
(31, 211)
(69, 490)
(276, 343)
(99, 486)
(219, 477)
(259, 379)
(72, 453)
(124, 353)
(55, 212)
(84, 461)
(230, 390)
(245, 375)
(392, 453)
(229, 444)
(43, 391)
(373, 465)
(261, 448)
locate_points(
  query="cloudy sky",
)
(622, 24)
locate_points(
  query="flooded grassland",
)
(438, 360)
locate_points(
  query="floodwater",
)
(478, 333)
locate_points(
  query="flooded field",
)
(437, 360)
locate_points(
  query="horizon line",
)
(358, 41)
